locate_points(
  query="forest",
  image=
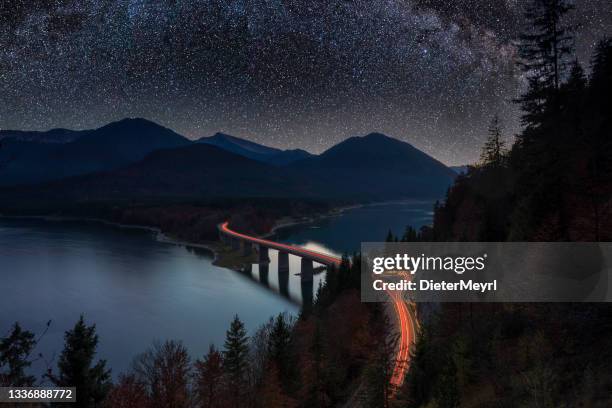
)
(554, 183)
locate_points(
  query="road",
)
(404, 319)
(292, 249)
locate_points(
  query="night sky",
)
(287, 73)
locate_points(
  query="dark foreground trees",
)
(15, 351)
(76, 367)
(555, 185)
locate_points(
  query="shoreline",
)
(335, 212)
(160, 236)
(212, 247)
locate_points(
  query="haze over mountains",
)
(137, 159)
(255, 151)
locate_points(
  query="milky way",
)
(285, 73)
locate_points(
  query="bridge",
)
(246, 242)
(404, 319)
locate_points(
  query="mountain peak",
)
(132, 122)
(376, 135)
(381, 138)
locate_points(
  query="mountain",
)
(254, 150)
(286, 157)
(196, 171)
(50, 136)
(377, 167)
(135, 160)
(109, 147)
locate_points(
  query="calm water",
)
(138, 290)
(134, 288)
(344, 233)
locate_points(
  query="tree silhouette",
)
(235, 358)
(494, 150)
(544, 49)
(77, 369)
(165, 370)
(209, 378)
(14, 352)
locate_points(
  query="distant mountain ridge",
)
(378, 166)
(49, 136)
(109, 147)
(136, 159)
(254, 150)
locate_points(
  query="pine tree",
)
(75, 366)
(598, 140)
(279, 348)
(494, 150)
(14, 352)
(544, 50)
(235, 358)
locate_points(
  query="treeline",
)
(340, 349)
(553, 184)
(555, 181)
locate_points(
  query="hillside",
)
(378, 167)
(135, 160)
(253, 150)
(194, 172)
(23, 161)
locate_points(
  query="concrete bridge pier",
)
(246, 248)
(264, 270)
(263, 254)
(307, 287)
(307, 270)
(283, 281)
(283, 261)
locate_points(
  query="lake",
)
(137, 289)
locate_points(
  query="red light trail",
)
(404, 318)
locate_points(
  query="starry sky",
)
(286, 73)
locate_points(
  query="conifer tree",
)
(77, 369)
(544, 50)
(235, 359)
(494, 150)
(14, 352)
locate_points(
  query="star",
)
(290, 74)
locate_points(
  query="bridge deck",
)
(294, 250)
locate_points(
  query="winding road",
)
(404, 319)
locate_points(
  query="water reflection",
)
(134, 288)
(283, 275)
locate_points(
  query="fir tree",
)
(544, 50)
(235, 358)
(76, 368)
(494, 150)
(14, 352)
(279, 344)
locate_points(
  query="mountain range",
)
(255, 151)
(136, 159)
